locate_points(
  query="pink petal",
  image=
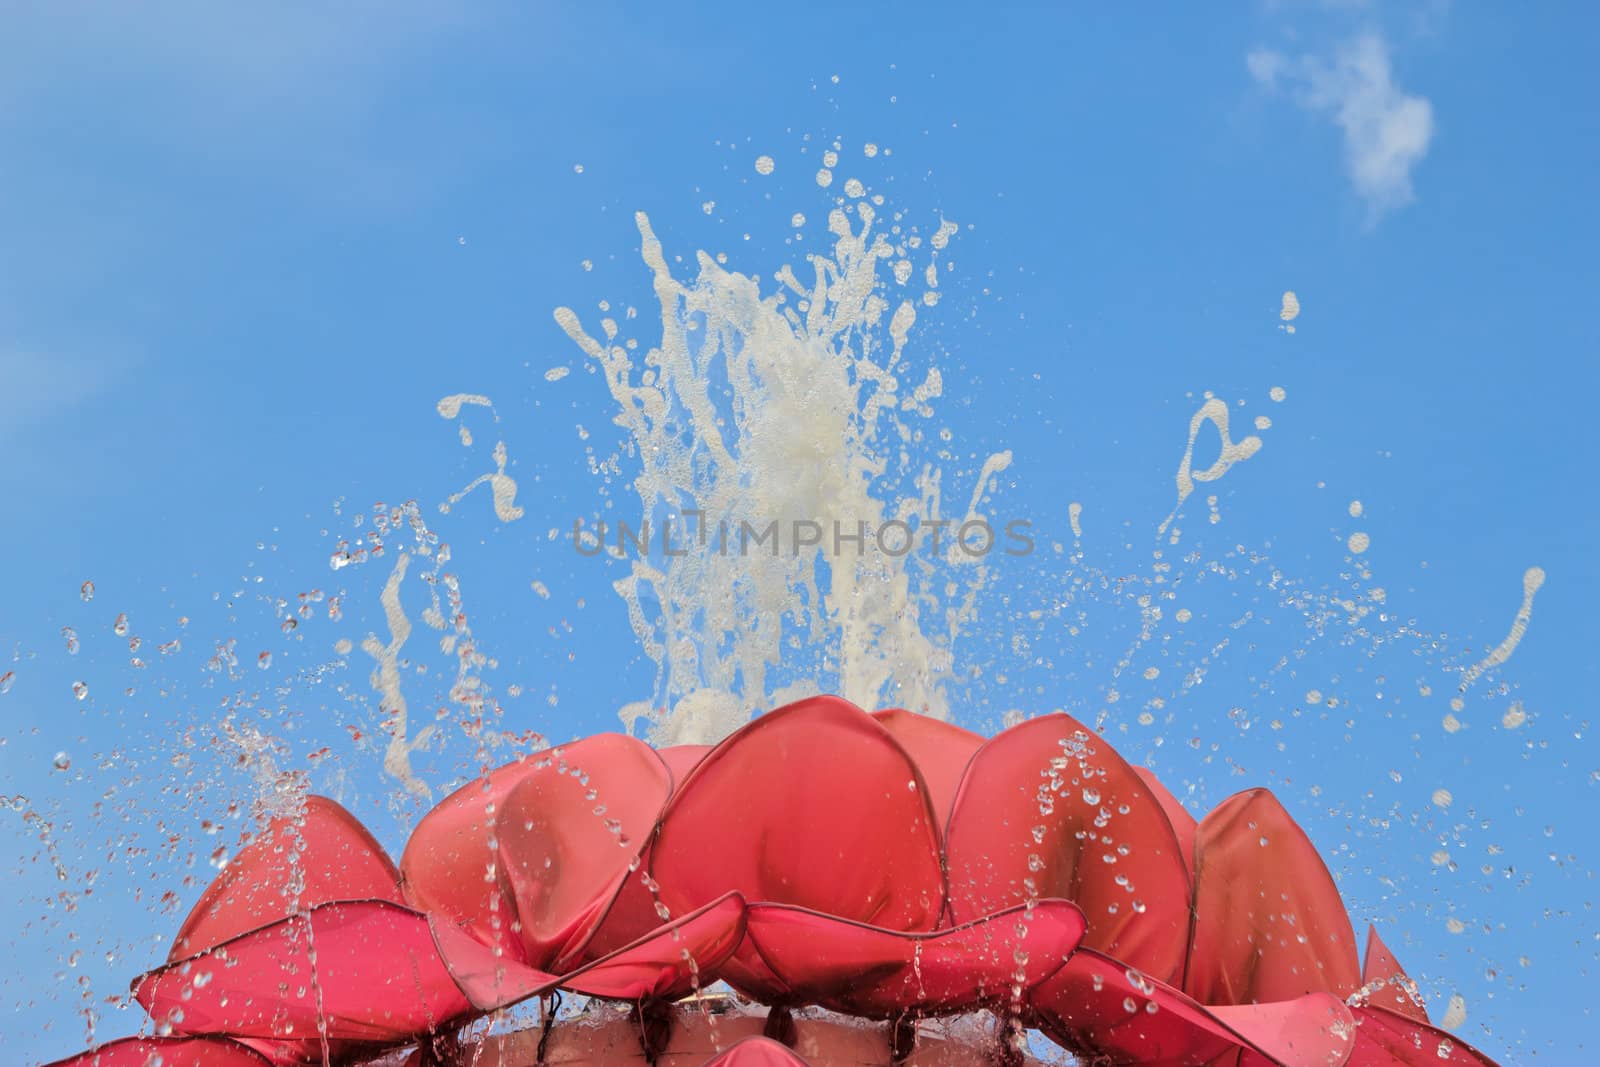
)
(815, 805)
(633, 913)
(1183, 823)
(940, 750)
(866, 970)
(632, 916)
(488, 978)
(337, 858)
(757, 1052)
(1269, 924)
(1097, 823)
(681, 759)
(1315, 1030)
(368, 970)
(172, 1052)
(1389, 1039)
(1100, 1008)
(529, 858)
(1396, 991)
(656, 967)
(671, 962)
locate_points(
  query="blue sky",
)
(245, 256)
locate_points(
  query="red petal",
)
(337, 858)
(1105, 1013)
(632, 916)
(757, 1052)
(681, 759)
(367, 969)
(940, 750)
(633, 913)
(557, 831)
(487, 978)
(654, 967)
(813, 805)
(866, 970)
(167, 1051)
(672, 962)
(1397, 993)
(1315, 1030)
(1102, 824)
(1183, 823)
(1269, 924)
(1388, 1039)
(1099, 1008)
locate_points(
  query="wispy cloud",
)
(1386, 130)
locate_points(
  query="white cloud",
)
(1386, 130)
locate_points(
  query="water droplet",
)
(62, 761)
(765, 165)
(80, 690)
(7, 680)
(86, 591)
(120, 627)
(71, 637)
(264, 660)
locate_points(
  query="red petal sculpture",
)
(1385, 984)
(1184, 825)
(1315, 1030)
(635, 912)
(665, 964)
(876, 973)
(1100, 1008)
(1388, 1039)
(1047, 809)
(353, 971)
(168, 1052)
(529, 858)
(779, 812)
(940, 750)
(1269, 924)
(673, 961)
(757, 1052)
(607, 869)
(318, 854)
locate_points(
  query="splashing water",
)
(772, 433)
(777, 431)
